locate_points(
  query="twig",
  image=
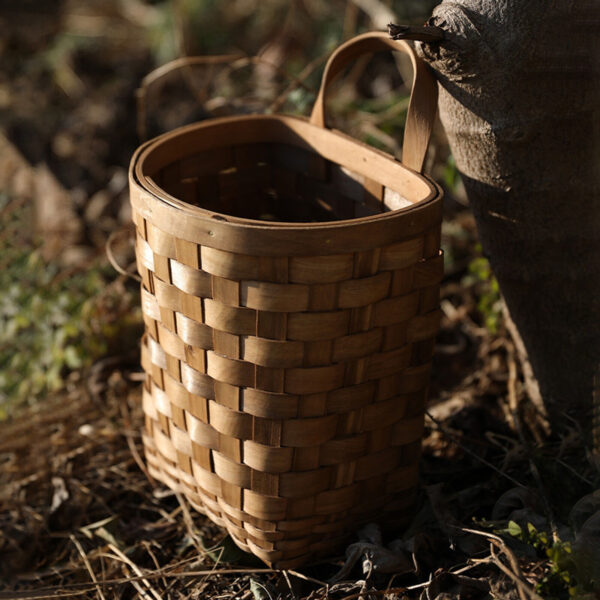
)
(287, 579)
(513, 408)
(79, 588)
(368, 129)
(362, 593)
(262, 587)
(86, 562)
(111, 257)
(572, 470)
(523, 593)
(531, 384)
(306, 578)
(516, 574)
(131, 444)
(428, 33)
(34, 595)
(146, 545)
(423, 584)
(245, 61)
(301, 78)
(499, 542)
(488, 464)
(244, 571)
(157, 76)
(138, 572)
(189, 524)
(396, 109)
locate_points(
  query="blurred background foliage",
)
(68, 129)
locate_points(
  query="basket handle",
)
(423, 98)
(159, 74)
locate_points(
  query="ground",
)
(507, 508)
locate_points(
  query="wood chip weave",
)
(287, 358)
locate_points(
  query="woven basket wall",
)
(291, 308)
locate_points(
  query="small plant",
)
(54, 321)
(489, 300)
(560, 579)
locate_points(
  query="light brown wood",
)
(423, 100)
(157, 78)
(287, 358)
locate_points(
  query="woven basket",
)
(288, 360)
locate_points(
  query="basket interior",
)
(276, 182)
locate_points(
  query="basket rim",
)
(158, 194)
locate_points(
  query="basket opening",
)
(275, 182)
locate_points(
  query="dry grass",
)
(79, 517)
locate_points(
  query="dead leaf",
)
(60, 495)
(376, 558)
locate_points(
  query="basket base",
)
(315, 539)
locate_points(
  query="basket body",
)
(287, 363)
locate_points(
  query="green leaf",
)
(72, 358)
(514, 529)
(531, 529)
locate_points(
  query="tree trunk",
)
(520, 103)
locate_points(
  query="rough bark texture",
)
(520, 102)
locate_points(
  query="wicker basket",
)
(288, 360)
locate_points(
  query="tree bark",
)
(520, 102)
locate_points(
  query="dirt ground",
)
(507, 508)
